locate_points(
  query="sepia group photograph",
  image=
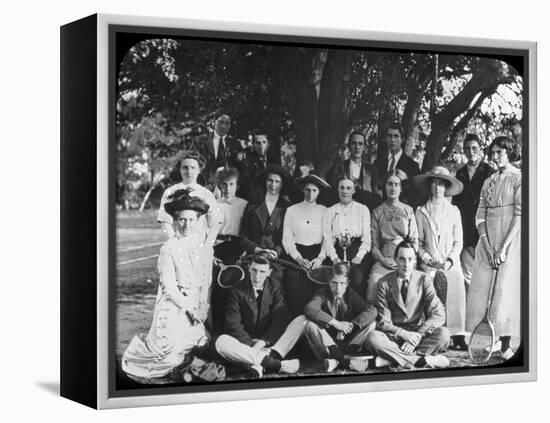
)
(293, 211)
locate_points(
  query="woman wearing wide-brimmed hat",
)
(392, 222)
(498, 222)
(303, 241)
(181, 306)
(440, 243)
(188, 165)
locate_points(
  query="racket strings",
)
(481, 343)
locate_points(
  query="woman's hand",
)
(315, 263)
(389, 263)
(356, 260)
(304, 263)
(500, 257)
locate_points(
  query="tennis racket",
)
(228, 274)
(483, 336)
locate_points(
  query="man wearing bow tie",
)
(217, 148)
(410, 331)
(258, 332)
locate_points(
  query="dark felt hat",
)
(321, 275)
(182, 199)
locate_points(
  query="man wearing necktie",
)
(395, 158)
(252, 166)
(339, 321)
(258, 332)
(217, 148)
(410, 331)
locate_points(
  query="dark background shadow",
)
(51, 387)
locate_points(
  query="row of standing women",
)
(311, 234)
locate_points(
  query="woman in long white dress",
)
(391, 223)
(440, 244)
(498, 221)
(181, 305)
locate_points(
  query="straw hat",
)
(311, 179)
(421, 182)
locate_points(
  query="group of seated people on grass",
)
(385, 244)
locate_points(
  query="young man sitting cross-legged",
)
(339, 320)
(410, 331)
(258, 332)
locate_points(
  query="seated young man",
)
(410, 331)
(338, 321)
(258, 332)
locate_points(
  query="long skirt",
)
(170, 338)
(378, 270)
(505, 309)
(297, 287)
(455, 303)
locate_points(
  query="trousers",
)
(388, 347)
(320, 340)
(236, 352)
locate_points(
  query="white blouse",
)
(354, 219)
(232, 212)
(303, 225)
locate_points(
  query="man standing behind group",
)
(472, 176)
(363, 174)
(217, 149)
(397, 159)
(251, 167)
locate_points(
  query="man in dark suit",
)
(338, 321)
(397, 159)
(217, 149)
(258, 332)
(410, 331)
(251, 167)
(472, 176)
(363, 174)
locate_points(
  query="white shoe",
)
(358, 364)
(290, 366)
(331, 364)
(508, 354)
(496, 347)
(381, 362)
(436, 362)
(257, 370)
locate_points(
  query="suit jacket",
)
(321, 309)
(259, 229)
(250, 184)
(411, 168)
(204, 145)
(368, 175)
(405, 163)
(422, 313)
(468, 200)
(245, 322)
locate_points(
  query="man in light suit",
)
(217, 149)
(410, 331)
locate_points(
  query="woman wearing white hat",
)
(303, 241)
(440, 243)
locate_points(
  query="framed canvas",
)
(213, 158)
